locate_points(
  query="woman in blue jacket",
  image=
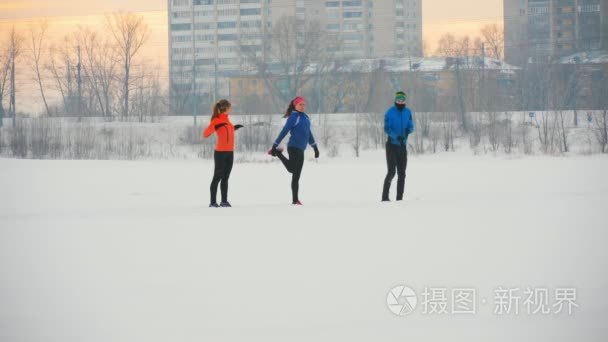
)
(398, 124)
(298, 125)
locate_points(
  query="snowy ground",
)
(128, 251)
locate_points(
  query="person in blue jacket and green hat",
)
(398, 124)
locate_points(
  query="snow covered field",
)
(128, 251)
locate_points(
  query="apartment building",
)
(544, 30)
(207, 37)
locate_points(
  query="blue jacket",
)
(298, 124)
(398, 124)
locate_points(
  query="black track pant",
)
(294, 165)
(223, 167)
(396, 160)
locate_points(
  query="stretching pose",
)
(298, 125)
(224, 150)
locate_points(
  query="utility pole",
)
(78, 67)
(483, 73)
(318, 89)
(215, 68)
(70, 95)
(194, 95)
(215, 9)
(12, 110)
(1, 108)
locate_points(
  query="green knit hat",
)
(400, 96)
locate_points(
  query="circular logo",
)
(401, 300)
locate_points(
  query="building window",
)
(539, 10)
(187, 38)
(205, 61)
(226, 24)
(227, 12)
(204, 26)
(352, 3)
(352, 27)
(332, 4)
(589, 8)
(180, 27)
(205, 37)
(352, 14)
(225, 37)
(251, 11)
(182, 51)
(181, 15)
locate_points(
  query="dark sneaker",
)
(213, 205)
(297, 203)
(272, 153)
(386, 200)
(225, 205)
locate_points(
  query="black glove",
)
(274, 149)
(401, 140)
(218, 126)
(316, 151)
(236, 128)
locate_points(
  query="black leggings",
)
(294, 165)
(396, 158)
(223, 167)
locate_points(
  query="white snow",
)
(129, 251)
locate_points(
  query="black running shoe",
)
(273, 153)
(225, 205)
(213, 205)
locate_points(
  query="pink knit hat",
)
(298, 100)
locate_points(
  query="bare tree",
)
(447, 45)
(453, 46)
(286, 66)
(99, 64)
(61, 63)
(600, 123)
(458, 51)
(15, 43)
(130, 33)
(148, 101)
(37, 35)
(5, 63)
(494, 39)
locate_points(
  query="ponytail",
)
(289, 110)
(220, 107)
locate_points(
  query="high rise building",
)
(542, 30)
(207, 37)
(381, 28)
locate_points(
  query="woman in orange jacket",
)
(224, 150)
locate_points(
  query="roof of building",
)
(592, 57)
(396, 65)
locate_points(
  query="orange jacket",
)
(225, 134)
